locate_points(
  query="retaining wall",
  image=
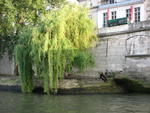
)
(123, 48)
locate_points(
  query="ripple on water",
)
(115, 103)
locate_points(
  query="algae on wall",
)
(132, 86)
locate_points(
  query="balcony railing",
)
(116, 22)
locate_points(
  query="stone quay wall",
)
(124, 49)
(6, 65)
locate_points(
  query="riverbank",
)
(81, 85)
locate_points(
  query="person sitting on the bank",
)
(103, 77)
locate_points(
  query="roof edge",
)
(119, 4)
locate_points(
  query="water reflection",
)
(29, 103)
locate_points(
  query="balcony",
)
(124, 29)
(116, 22)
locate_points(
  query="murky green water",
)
(30, 103)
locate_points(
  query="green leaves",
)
(24, 62)
(7, 17)
(83, 60)
(14, 16)
(56, 2)
(60, 41)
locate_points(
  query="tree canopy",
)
(60, 41)
(49, 36)
(16, 14)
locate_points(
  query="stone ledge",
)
(141, 55)
(130, 28)
(120, 84)
(66, 86)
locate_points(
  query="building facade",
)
(124, 31)
(109, 13)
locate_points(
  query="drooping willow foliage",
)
(24, 60)
(17, 14)
(58, 43)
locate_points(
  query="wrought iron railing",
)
(116, 22)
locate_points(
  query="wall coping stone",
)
(141, 55)
(124, 29)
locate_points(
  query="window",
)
(111, 1)
(108, 1)
(137, 14)
(113, 15)
(105, 16)
(128, 13)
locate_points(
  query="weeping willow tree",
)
(24, 60)
(58, 43)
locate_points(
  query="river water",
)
(102, 103)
